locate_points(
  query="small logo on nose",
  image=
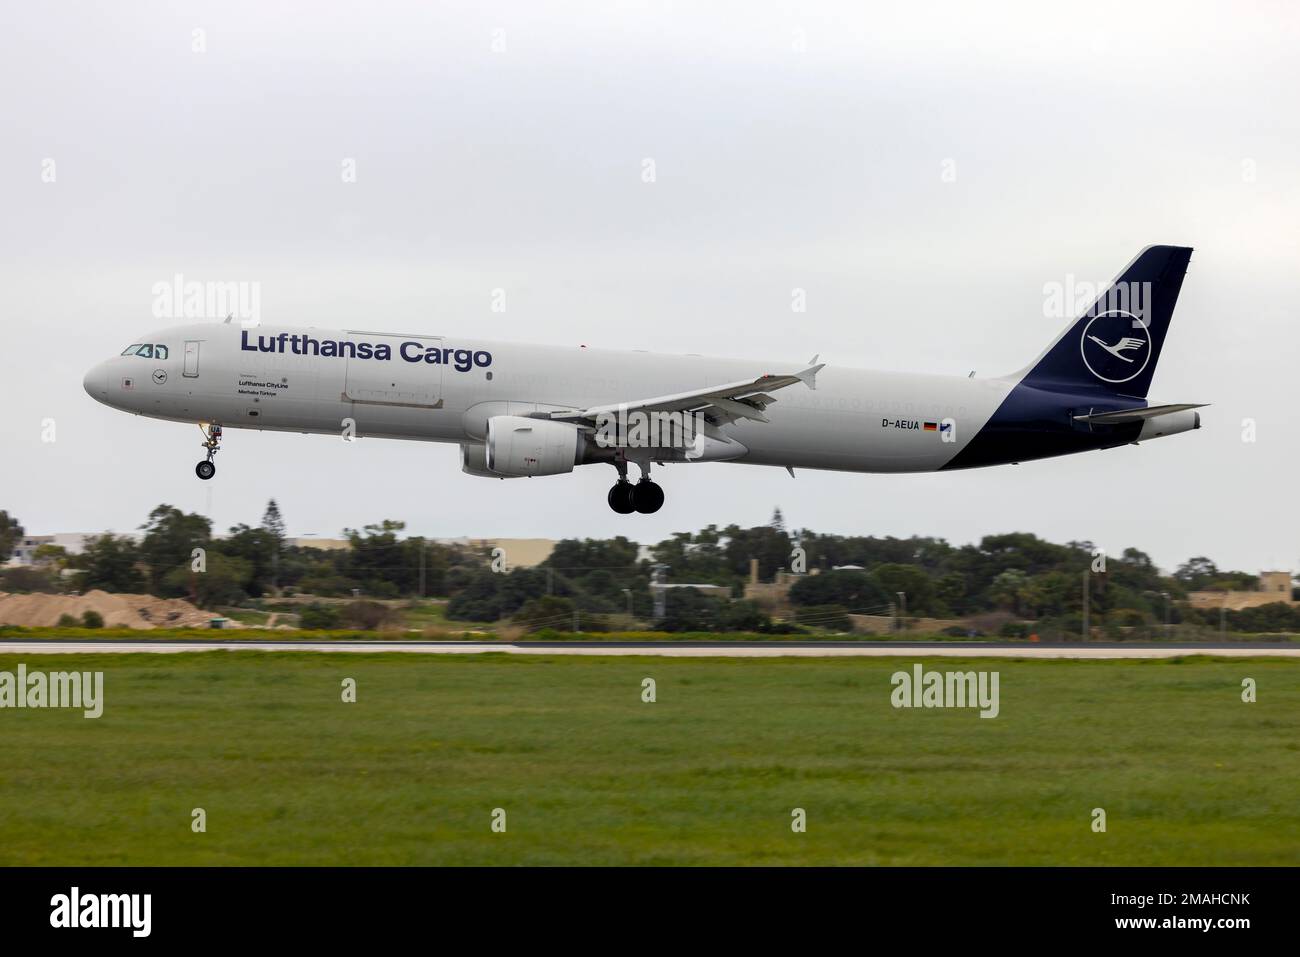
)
(159, 376)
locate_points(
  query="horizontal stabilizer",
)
(1120, 416)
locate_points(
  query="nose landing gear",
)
(212, 442)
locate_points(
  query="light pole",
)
(1087, 604)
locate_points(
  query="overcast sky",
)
(920, 170)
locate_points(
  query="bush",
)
(68, 621)
(741, 616)
(831, 617)
(548, 611)
(318, 617)
(1276, 617)
(91, 619)
(367, 615)
(22, 579)
(686, 609)
(1014, 629)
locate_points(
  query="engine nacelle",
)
(519, 446)
(473, 461)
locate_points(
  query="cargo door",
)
(402, 379)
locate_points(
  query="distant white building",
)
(74, 543)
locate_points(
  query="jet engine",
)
(519, 446)
(473, 461)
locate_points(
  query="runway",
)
(670, 649)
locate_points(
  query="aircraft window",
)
(146, 351)
(130, 350)
(160, 352)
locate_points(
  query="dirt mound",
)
(118, 611)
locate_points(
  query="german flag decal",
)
(932, 426)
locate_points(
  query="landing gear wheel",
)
(212, 442)
(647, 497)
(620, 498)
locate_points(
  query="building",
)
(1273, 587)
(517, 552)
(774, 596)
(74, 543)
(322, 544)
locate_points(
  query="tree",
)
(225, 582)
(252, 545)
(913, 582)
(385, 566)
(10, 534)
(109, 563)
(1196, 573)
(473, 594)
(1008, 589)
(273, 526)
(170, 537)
(49, 555)
(771, 546)
(273, 523)
(847, 588)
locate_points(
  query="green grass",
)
(588, 774)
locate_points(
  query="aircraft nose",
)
(96, 381)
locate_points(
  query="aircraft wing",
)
(720, 405)
(1135, 415)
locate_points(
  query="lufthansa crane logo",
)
(1116, 346)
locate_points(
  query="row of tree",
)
(1016, 574)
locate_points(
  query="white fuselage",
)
(854, 420)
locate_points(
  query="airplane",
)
(530, 410)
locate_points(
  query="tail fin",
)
(1114, 346)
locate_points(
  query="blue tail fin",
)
(1114, 346)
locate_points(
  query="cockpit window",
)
(146, 351)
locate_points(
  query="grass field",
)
(708, 774)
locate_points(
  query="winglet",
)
(809, 376)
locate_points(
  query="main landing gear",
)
(644, 497)
(212, 442)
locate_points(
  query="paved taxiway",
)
(673, 649)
